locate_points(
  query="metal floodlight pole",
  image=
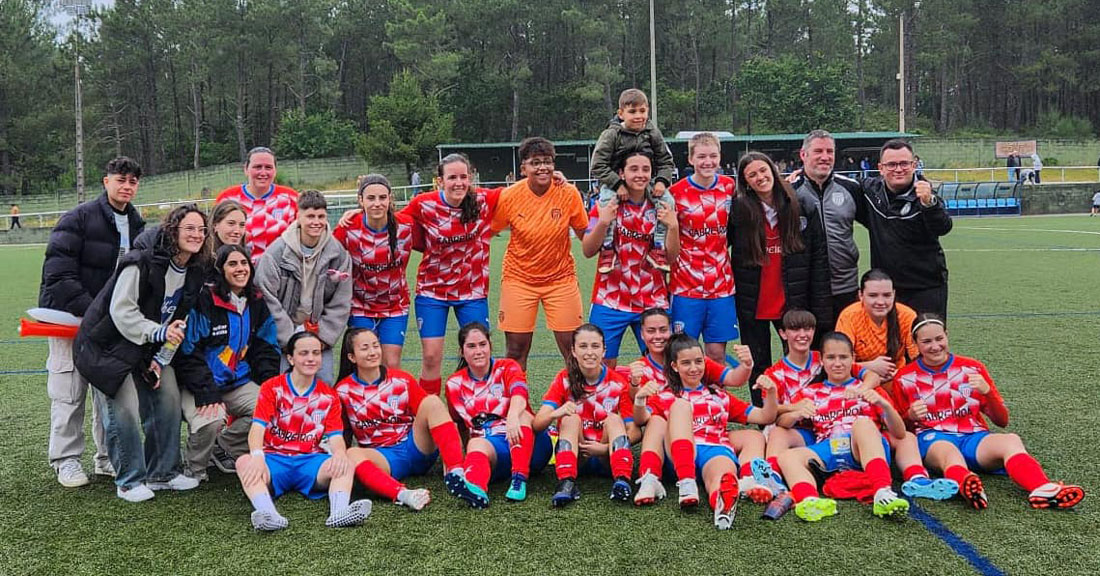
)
(901, 72)
(652, 65)
(77, 9)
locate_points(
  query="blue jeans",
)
(136, 408)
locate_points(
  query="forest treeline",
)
(181, 84)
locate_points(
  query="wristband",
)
(259, 453)
(638, 404)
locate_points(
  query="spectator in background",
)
(920, 167)
(849, 166)
(15, 217)
(271, 208)
(1013, 164)
(414, 181)
(865, 166)
(1036, 168)
(510, 179)
(82, 253)
(905, 220)
(1095, 204)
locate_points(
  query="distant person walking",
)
(1095, 204)
(1013, 164)
(1036, 168)
(15, 217)
(414, 180)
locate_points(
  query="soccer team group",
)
(229, 322)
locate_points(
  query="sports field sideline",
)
(1023, 300)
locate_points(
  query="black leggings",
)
(756, 334)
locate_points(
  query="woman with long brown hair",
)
(777, 248)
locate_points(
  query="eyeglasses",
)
(903, 165)
(194, 229)
(540, 163)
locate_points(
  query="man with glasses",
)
(905, 220)
(83, 250)
(538, 263)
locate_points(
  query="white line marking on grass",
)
(21, 246)
(1021, 250)
(1090, 232)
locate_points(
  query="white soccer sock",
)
(338, 500)
(263, 503)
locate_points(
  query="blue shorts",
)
(614, 324)
(540, 456)
(714, 318)
(405, 459)
(594, 466)
(296, 473)
(808, 438)
(431, 314)
(967, 443)
(836, 453)
(703, 453)
(389, 330)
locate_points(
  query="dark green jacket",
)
(616, 142)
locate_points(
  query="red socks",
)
(956, 473)
(622, 463)
(775, 463)
(1025, 471)
(650, 464)
(450, 445)
(477, 469)
(914, 471)
(566, 465)
(746, 470)
(683, 458)
(431, 386)
(878, 471)
(803, 490)
(521, 453)
(374, 479)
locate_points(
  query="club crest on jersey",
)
(609, 404)
(278, 213)
(906, 208)
(964, 389)
(838, 198)
(555, 214)
(394, 401)
(497, 390)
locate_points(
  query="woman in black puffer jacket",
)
(128, 337)
(777, 249)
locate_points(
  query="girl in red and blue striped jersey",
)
(489, 397)
(399, 429)
(947, 398)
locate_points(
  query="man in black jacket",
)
(81, 256)
(905, 220)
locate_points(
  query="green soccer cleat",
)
(813, 509)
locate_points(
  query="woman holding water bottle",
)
(126, 340)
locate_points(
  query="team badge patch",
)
(838, 198)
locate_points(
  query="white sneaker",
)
(139, 493)
(414, 500)
(353, 514)
(650, 489)
(104, 469)
(70, 474)
(180, 482)
(689, 492)
(268, 521)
